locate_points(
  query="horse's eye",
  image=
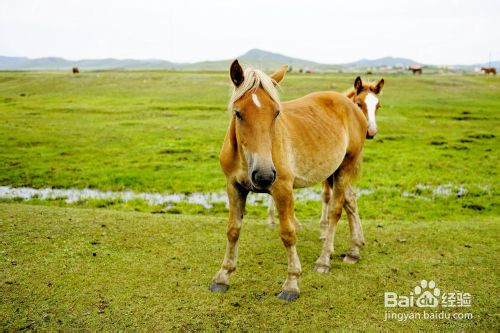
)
(238, 114)
(360, 104)
(277, 113)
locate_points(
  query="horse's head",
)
(255, 106)
(365, 96)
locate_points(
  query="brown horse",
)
(274, 147)
(365, 96)
(76, 70)
(489, 70)
(415, 69)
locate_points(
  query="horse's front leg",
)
(357, 238)
(270, 212)
(326, 195)
(334, 211)
(283, 197)
(237, 198)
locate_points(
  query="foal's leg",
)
(270, 212)
(237, 199)
(284, 203)
(270, 215)
(334, 213)
(357, 238)
(326, 194)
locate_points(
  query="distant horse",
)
(274, 147)
(76, 70)
(489, 70)
(365, 96)
(415, 69)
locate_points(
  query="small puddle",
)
(206, 200)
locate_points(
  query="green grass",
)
(151, 272)
(161, 132)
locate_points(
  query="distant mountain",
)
(257, 58)
(492, 64)
(386, 61)
(54, 63)
(12, 62)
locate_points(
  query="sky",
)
(427, 31)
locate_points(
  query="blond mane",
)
(253, 79)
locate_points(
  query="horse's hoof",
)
(320, 268)
(348, 259)
(218, 287)
(322, 238)
(288, 296)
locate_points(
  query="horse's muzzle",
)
(371, 132)
(263, 179)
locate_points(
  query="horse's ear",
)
(279, 74)
(358, 85)
(379, 86)
(236, 73)
(351, 94)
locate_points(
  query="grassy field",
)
(433, 211)
(73, 268)
(161, 132)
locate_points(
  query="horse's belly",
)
(311, 170)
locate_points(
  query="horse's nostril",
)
(254, 176)
(263, 179)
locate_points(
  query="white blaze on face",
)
(256, 100)
(371, 102)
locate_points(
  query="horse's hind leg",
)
(334, 213)
(237, 199)
(326, 195)
(357, 238)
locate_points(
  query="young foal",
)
(274, 147)
(365, 96)
(369, 106)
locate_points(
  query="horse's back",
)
(328, 109)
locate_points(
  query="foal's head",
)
(255, 106)
(365, 96)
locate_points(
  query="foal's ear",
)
(358, 85)
(279, 74)
(236, 73)
(379, 86)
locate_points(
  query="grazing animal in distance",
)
(415, 69)
(76, 70)
(273, 147)
(489, 70)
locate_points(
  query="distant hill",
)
(386, 61)
(257, 58)
(54, 63)
(12, 62)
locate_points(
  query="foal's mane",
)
(253, 79)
